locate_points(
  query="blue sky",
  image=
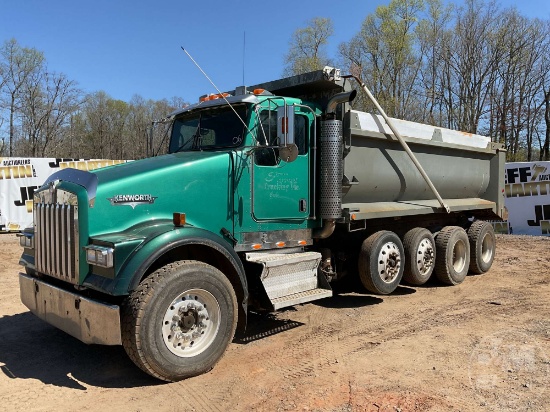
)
(133, 47)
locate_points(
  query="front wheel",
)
(180, 320)
(381, 262)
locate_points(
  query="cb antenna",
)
(244, 52)
(218, 90)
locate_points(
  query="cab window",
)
(267, 135)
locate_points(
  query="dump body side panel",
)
(467, 170)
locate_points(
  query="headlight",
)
(26, 241)
(99, 255)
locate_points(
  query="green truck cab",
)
(166, 255)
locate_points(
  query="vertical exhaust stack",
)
(330, 183)
(331, 168)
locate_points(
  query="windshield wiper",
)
(197, 136)
(183, 146)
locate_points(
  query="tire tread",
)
(133, 310)
(442, 264)
(474, 232)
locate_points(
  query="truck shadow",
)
(263, 325)
(32, 349)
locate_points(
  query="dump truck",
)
(266, 196)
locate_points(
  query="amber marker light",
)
(280, 244)
(209, 97)
(256, 246)
(353, 216)
(302, 242)
(178, 219)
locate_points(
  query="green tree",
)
(385, 51)
(307, 50)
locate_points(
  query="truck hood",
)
(194, 183)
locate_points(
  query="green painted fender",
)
(161, 241)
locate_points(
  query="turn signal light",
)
(178, 219)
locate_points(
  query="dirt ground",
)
(481, 346)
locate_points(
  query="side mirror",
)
(288, 151)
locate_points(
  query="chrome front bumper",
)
(90, 321)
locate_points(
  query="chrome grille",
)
(56, 236)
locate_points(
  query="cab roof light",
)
(262, 92)
(208, 97)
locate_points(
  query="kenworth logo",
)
(131, 200)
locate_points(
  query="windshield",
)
(212, 128)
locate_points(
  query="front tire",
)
(180, 320)
(381, 262)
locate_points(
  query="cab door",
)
(281, 189)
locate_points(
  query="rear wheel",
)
(381, 262)
(180, 320)
(482, 246)
(453, 255)
(419, 248)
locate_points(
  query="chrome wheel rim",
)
(425, 256)
(487, 248)
(389, 262)
(191, 322)
(459, 256)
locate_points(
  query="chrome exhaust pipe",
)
(333, 103)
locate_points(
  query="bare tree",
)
(544, 144)
(18, 64)
(48, 101)
(109, 128)
(516, 98)
(434, 39)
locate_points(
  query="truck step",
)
(279, 259)
(301, 297)
(290, 278)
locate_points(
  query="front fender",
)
(158, 241)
